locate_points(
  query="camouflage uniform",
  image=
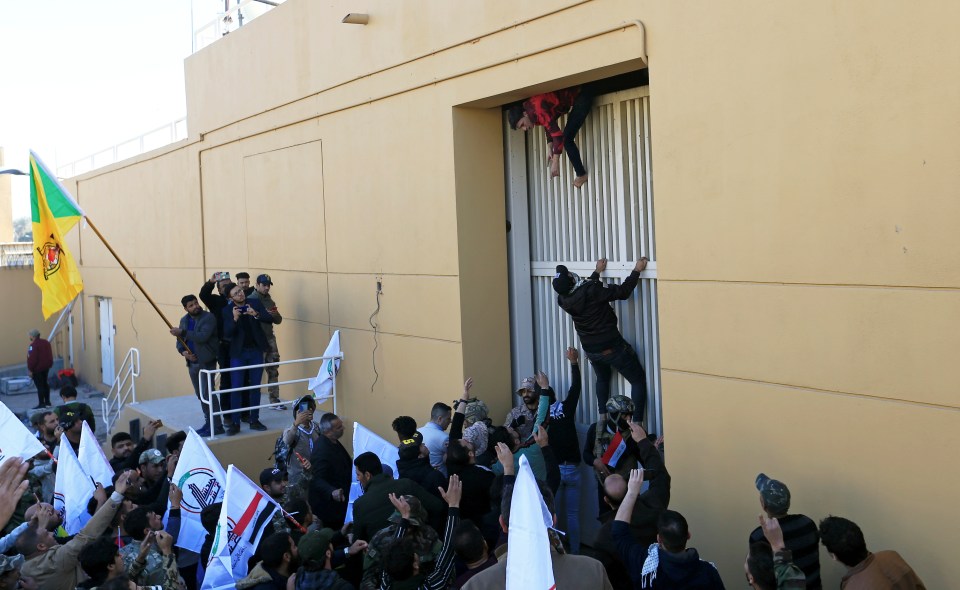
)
(426, 541)
(152, 572)
(167, 573)
(618, 404)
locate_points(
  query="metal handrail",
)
(207, 393)
(129, 371)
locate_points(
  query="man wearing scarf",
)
(588, 301)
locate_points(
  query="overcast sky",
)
(82, 75)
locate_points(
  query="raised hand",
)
(126, 479)
(772, 531)
(401, 504)
(505, 457)
(540, 435)
(175, 496)
(12, 486)
(636, 481)
(467, 386)
(453, 492)
(637, 432)
(641, 264)
(601, 265)
(164, 542)
(542, 380)
(572, 355)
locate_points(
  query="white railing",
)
(207, 377)
(16, 254)
(151, 140)
(124, 389)
(230, 20)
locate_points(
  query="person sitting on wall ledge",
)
(546, 109)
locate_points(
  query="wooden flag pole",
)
(133, 278)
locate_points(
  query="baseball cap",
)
(271, 474)
(526, 385)
(776, 496)
(264, 279)
(414, 441)
(619, 404)
(562, 281)
(151, 456)
(34, 333)
(313, 546)
(67, 418)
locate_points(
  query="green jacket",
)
(789, 576)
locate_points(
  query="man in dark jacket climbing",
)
(588, 303)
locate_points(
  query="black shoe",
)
(233, 429)
(204, 431)
(218, 429)
(245, 416)
(257, 425)
(40, 407)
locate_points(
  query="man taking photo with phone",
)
(301, 438)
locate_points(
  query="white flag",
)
(203, 481)
(15, 439)
(529, 566)
(72, 490)
(92, 459)
(322, 384)
(365, 440)
(246, 511)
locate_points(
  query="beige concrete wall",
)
(806, 175)
(18, 287)
(805, 167)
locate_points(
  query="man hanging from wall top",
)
(546, 109)
(588, 303)
(262, 292)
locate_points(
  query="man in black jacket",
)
(332, 473)
(562, 428)
(588, 303)
(241, 324)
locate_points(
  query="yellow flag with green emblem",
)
(54, 213)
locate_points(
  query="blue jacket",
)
(234, 330)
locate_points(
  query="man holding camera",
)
(241, 325)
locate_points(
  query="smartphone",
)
(243, 308)
(304, 406)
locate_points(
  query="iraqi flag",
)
(92, 459)
(15, 439)
(529, 566)
(247, 509)
(72, 489)
(322, 384)
(203, 481)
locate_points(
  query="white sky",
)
(82, 75)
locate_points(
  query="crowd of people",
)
(442, 519)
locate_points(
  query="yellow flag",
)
(54, 213)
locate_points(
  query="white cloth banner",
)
(322, 384)
(15, 439)
(92, 459)
(72, 489)
(365, 440)
(529, 566)
(203, 482)
(247, 509)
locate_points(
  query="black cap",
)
(562, 281)
(271, 474)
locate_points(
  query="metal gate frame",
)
(629, 133)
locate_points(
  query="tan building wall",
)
(18, 286)
(805, 172)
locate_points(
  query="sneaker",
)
(257, 425)
(204, 431)
(280, 408)
(233, 429)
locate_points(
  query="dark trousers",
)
(223, 361)
(200, 384)
(43, 386)
(578, 114)
(248, 356)
(624, 359)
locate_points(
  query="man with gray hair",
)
(332, 470)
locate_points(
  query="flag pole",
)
(132, 277)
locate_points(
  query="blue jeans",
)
(624, 359)
(248, 356)
(568, 504)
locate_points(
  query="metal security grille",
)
(554, 223)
